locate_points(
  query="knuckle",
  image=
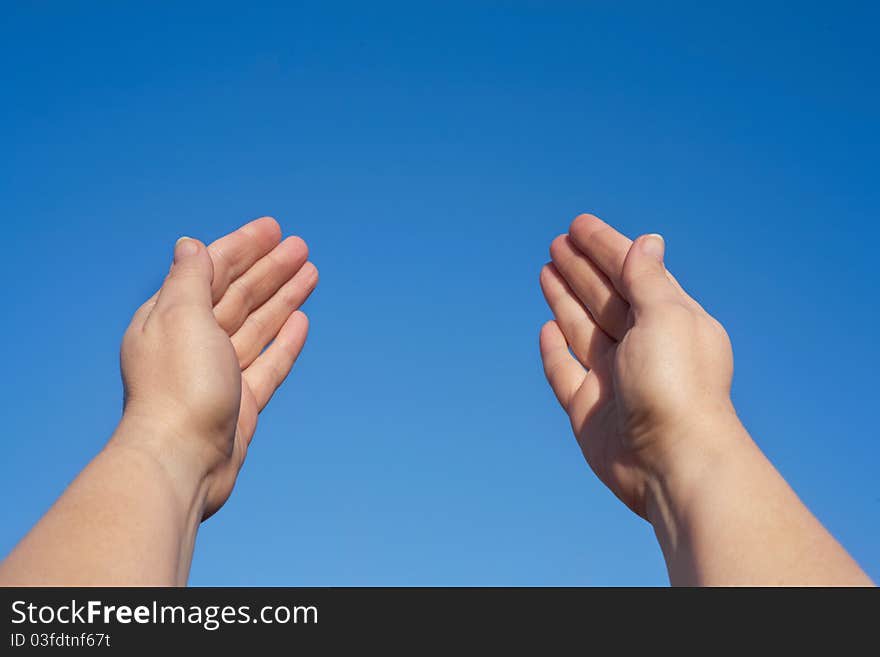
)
(257, 324)
(279, 373)
(272, 261)
(222, 265)
(242, 292)
(290, 298)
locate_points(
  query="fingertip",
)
(298, 331)
(191, 254)
(553, 284)
(585, 224)
(312, 272)
(295, 327)
(545, 272)
(652, 245)
(300, 317)
(270, 223)
(557, 246)
(186, 247)
(550, 335)
(291, 254)
(267, 227)
(296, 244)
(189, 280)
(645, 278)
(552, 271)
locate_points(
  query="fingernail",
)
(654, 246)
(185, 246)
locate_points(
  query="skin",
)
(196, 371)
(642, 370)
(644, 374)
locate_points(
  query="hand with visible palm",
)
(651, 371)
(194, 367)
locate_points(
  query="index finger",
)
(602, 244)
(233, 254)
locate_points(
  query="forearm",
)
(127, 519)
(727, 517)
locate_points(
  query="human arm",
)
(195, 378)
(648, 395)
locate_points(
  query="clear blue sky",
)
(428, 154)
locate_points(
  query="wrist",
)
(693, 457)
(171, 457)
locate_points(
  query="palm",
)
(244, 431)
(247, 416)
(601, 423)
(594, 322)
(258, 286)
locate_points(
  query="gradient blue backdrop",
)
(428, 154)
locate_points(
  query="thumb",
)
(645, 280)
(189, 281)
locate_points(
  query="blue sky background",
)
(428, 153)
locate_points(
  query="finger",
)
(189, 281)
(602, 244)
(233, 254)
(564, 374)
(591, 286)
(270, 369)
(265, 322)
(607, 248)
(645, 279)
(250, 290)
(589, 342)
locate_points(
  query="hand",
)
(659, 368)
(193, 362)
